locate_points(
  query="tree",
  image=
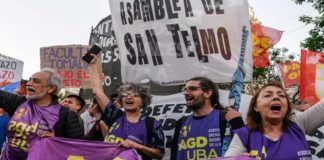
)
(315, 41)
(262, 76)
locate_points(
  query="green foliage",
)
(262, 76)
(315, 41)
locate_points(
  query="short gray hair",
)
(53, 79)
(144, 92)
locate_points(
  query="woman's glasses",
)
(132, 94)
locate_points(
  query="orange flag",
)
(312, 73)
(262, 39)
(290, 72)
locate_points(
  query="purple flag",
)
(234, 158)
(73, 149)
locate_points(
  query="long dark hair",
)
(254, 120)
(206, 84)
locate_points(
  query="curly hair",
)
(143, 91)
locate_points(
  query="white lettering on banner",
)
(103, 34)
(170, 41)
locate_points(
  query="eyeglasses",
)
(132, 94)
(189, 89)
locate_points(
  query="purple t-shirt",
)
(28, 121)
(291, 145)
(200, 138)
(122, 129)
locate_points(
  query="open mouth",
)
(275, 108)
(189, 98)
(129, 102)
(30, 89)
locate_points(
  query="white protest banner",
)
(168, 109)
(11, 70)
(316, 143)
(68, 63)
(171, 41)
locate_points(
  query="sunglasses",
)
(190, 89)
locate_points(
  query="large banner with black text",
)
(103, 33)
(169, 42)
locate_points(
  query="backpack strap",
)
(222, 124)
(174, 142)
(149, 123)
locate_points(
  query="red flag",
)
(290, 73)
(262, 39)
(312, 73)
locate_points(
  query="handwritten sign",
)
(11, 70)
(68, 63)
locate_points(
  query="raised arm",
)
(312, 118)
(10, 102)
(96, 84)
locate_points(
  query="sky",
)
(284, 15)
(26, 26)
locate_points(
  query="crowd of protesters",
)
(273, 130)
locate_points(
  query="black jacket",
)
(67, 126)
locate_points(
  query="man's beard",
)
(197, 103)
(35, 97)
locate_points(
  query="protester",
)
(114, 98)
(88, 121)
(37, 115)
(4, 120)
(131, 129)
(21, 90)
(200, 135)
(98, 127)
(274, 130)
(74, 102)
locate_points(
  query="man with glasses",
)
(200, 135)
